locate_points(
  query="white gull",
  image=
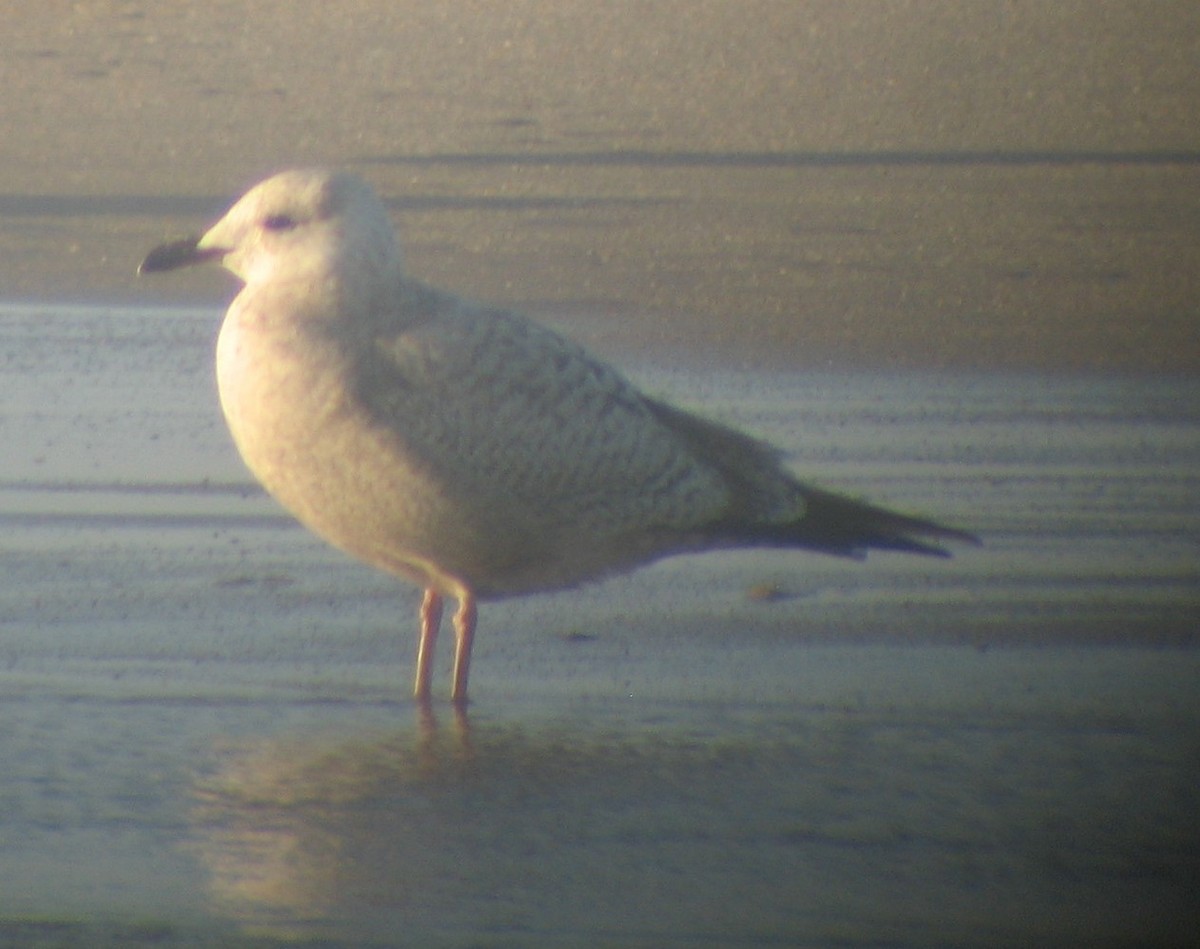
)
(464, 447)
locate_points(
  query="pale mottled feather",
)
(512, 413)
(465, 447)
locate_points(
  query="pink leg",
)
(431, 619)
(464, 636)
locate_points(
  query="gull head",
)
(304, 224)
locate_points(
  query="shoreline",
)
(1069, 480)
(772, 184)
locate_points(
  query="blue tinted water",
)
(205, 737)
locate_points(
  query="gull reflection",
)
(288, 826)
(439, 828)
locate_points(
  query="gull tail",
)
(838, 525)
(830, 523)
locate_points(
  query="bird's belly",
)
(353, 484)
(344, 477)
(361, 484)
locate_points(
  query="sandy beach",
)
(208, 739)
(944, 255)
(786, 184)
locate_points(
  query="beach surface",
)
(778, 184)
(944, 255)
(208, 738)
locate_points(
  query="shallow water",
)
(206, 738)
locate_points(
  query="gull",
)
(464, 447)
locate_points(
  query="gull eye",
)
(279, 222)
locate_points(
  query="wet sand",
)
(208, 739)
(206, 735)
(774, 184)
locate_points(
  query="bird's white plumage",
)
(429, 435)
(468, 448)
